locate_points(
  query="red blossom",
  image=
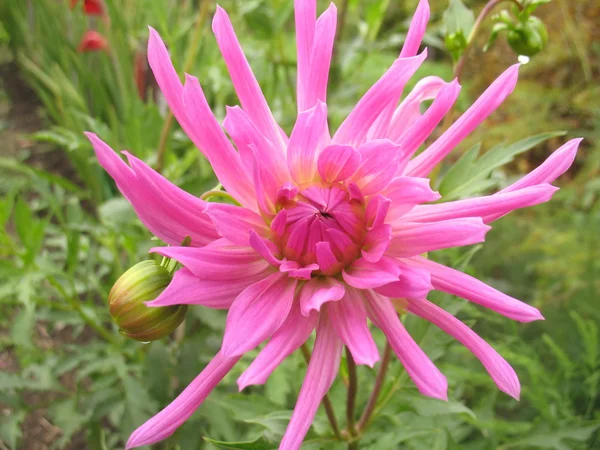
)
(92, 41)
(90, 7)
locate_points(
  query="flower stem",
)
(109, 337)
(351, 399)
(215, 193)
(189, 60)
(368, 412)
(326, 402)
(487, 9)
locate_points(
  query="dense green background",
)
(69, 380)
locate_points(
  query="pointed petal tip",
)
(370, 362)
(440, 392)
(512, 388)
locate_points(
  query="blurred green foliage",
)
(66, 236)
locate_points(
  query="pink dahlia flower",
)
(329, 229)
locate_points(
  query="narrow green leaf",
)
(259, 443)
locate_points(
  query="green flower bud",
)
(142, 283)
(528, 38)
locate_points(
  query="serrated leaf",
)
(157, 371)
(66, 416)
(275, 422)
(10, 428)
(557, 439)
(22, 328)
(432, 407)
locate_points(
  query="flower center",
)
(324, 226)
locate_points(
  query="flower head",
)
(92, 41)
(329, 228)
(143, 283)
(90, 7)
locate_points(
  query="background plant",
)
(66, 234)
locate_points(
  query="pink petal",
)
(167, 211)
(287, 192)
(295, 270)
(385, 91)
(257, 313)
(376, 211)
(293, 333)
(550, 170)
(349, 319)
(244, 133)
(197, 120)
(416, 31)
(346, 249)
(326, 259)
(279, 224)
(244, 81)
(415, 135)
(363, 274)
(316, 86)
(216, 261)
(414, 283)
(485, 105)
(322, 370)
(429, 380)
(376, 243)
(378, 165)
(462, 285)
(234, 222)
(179, 410)
(188, 289)
(338, 163)
(491, 206)
(305, 17)
(501, 372)
(317, 291)
(310, 134)
(407, 192)
(410, 239)
(267, 249)
(296, 243)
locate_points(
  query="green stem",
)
(325, 402)
(487, 9)
(212, 193)
(351, 399)
(368, 412)
(103, 332)
(190, 57)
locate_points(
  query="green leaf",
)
(471, 176)
(10, 428)
(22, 329)
(23, 221)
(259, 443)
(66, 416)
(458, 18)
(461, 170)
(500, 155)
(276, 422)
(425, 406)
(553, 438)
(115, 212)
(158, 362)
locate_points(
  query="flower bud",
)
(143, 283)
(528, 38)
